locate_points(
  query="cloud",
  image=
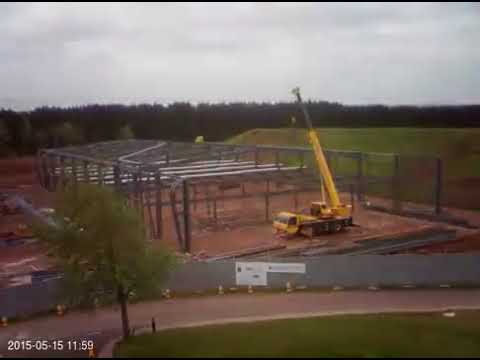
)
(67, 53)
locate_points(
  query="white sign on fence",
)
(255, 273)
(297, 268)
(251, 273)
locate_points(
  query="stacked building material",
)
(247, 252)
(390, 244)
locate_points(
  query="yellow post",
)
(4, 321)
(131, 296)
(289, 287)
(250, 289)
(60, 310)
(220, 290)
(166, 293)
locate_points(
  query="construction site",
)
(239, 180)
(214, 201)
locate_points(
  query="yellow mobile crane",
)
(323, 217)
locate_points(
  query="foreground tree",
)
(99, 243)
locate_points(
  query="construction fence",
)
(462, 270)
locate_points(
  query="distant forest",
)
(25, 132)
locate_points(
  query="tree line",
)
(25, 132)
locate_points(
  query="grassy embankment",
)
(385, 335)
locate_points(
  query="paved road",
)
(104, 324)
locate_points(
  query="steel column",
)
(267, 201)
(396, 185)
(360, 196)
(158, 207)
(186, 217)
(438, 186)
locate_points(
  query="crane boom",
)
(319, 155)
(323, 217)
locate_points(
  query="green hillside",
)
(459, 148)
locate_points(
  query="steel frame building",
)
(158, 174)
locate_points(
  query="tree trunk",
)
(122, 300)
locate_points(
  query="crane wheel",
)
(337, 227)
(310, 232)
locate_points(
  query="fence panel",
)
(321, 272)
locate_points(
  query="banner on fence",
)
(295, 268)
(251, 273)
(255, 273)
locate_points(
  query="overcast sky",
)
(354, 53)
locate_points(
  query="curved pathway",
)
(103, 325)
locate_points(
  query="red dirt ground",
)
(17, 171)
(467, 243)
(17, 176)
(463, 191)
(241, 225)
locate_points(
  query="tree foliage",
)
(216, 122)
(67, 134)
(125, 133)
(4, 139)
(18, 131)
(100, 244)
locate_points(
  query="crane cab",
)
(320, 209)
(286, 222)
(290, 223)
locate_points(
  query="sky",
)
(67, 54)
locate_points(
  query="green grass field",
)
(459, 149)
(391, 335)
